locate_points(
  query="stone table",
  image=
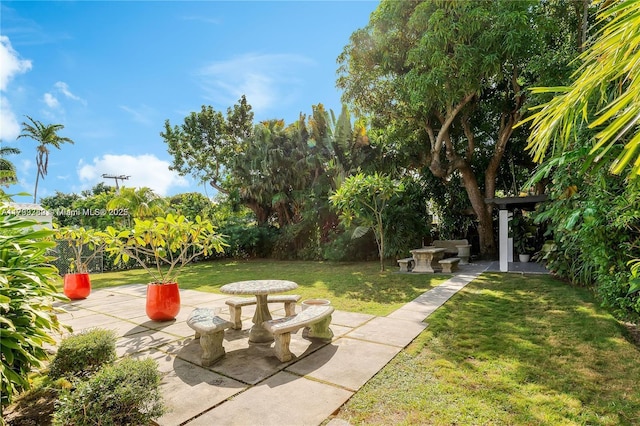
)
(427, 259)
(260, 289)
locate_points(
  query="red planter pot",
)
(77, 286)
(163, 301)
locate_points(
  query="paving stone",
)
(347, 362)
(388, 331)
(141, 341)
(350, 319)
(189, 390)
(284, 399)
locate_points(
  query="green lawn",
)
(355, 287)
(509, 350)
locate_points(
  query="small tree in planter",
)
(162, 247)
(77, 284)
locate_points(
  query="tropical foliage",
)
(589, 129)
(363, 199)
(604, 97)
(173, 241)
(7, 168)
(27, 293)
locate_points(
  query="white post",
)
(509, 239)
(504, 240)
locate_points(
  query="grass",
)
(354, 287)
(509, 349)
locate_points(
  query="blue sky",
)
(113, 72)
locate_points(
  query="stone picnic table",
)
(427, 259)
(260, 289)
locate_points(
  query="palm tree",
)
(140, 203)
(605, 95)
(7, 168)
(45, 135)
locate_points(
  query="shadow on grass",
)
(537, 348)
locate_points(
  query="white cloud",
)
(267, 80)
(51, 101)
(11, 63)
(143, 170)
(9, 127)
(63, 88)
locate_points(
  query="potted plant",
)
(522, 231)
(163, 246)
(77, 284)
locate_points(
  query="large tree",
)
(450, 77)
(46, 135)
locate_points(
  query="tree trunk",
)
(35, 190)
(482, 210)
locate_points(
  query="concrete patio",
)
(249, 386)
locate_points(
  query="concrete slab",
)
(121, 327)
(410, 315)
(139, 290)
(389, 331)
(189, 390)
(346, 362)
(142, 341)
(284, 399)
(350, 319)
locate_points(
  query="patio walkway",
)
(249, 386)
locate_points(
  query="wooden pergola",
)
(506, 207)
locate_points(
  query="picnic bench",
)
(407, 264)
(236, 304)
(209, 329)
(318, 317)
(449, 264)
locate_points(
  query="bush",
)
(126, 393)
(83, 354)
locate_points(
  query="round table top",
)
(258, 287)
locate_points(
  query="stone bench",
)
(407, 264)
(235, 306)
(209, 329)
(450, 264)
(450, 246)
(317, 317)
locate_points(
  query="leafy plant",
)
(83, 354)
(172, 240)
(363, 199)
(27, 293)
(523, 233)
(126, 393)
(79, 239)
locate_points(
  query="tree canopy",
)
(449, 77)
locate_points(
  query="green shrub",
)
(84, 354)
(27, 292)
(126, 393)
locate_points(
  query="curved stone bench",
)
(318, 317)
(236, 304)
(450, 264)
(209, 329)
